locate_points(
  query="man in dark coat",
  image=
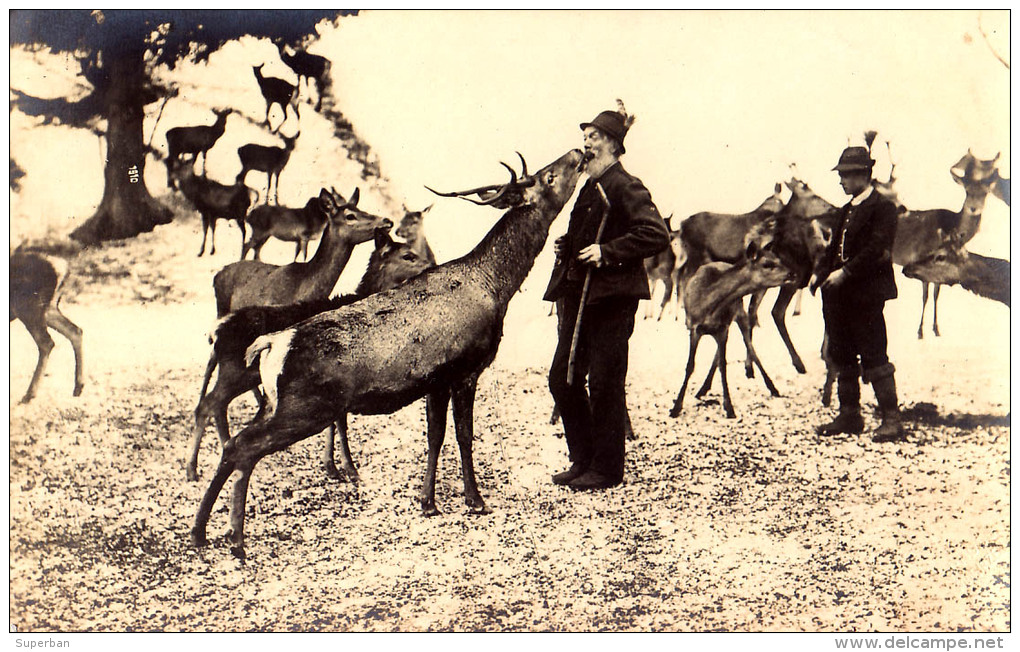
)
(856, 277)
(613, 227)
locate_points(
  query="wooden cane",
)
(571, 361)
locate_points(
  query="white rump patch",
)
(272, 352)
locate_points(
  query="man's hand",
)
(591, 255)
(560, 246)
(835, 280)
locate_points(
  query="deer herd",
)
(415, 329)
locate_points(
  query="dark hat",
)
(855, 159)
(611, 123)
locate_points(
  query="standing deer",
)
(270, 160)
(431, 336)
(951, 264)
(308, 67)
(277, 91)
(715, 237)
(298, 225)
(37, 280)
(255, 283)
(712, 299)
(213, 201)
(193, 140)
(391, 264)
(919, 233)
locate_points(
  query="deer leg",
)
(796, 304)
(350, 472)
(666, 296)
(240, 225)
(205, 230)
(464, 425)
(198, 530)
(212, 236)
(924, 302)
(745, 332)
(58, 322)
(749, 318)
(720, 355)
(276, 190)
(436, 405)
(779, 317)
(707, 384)
(935, 310)
(679, 402)
(36, 325)
(295, 418)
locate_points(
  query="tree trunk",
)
(127, 208)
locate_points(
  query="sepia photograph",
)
(503, 321)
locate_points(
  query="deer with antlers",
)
(431, 336)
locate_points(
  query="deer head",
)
(499, 196)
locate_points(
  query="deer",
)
(662, 268)
(277, 91)
(193, 140)
(270, 160)
(411, 230)
(298, 225)
(717, 237)
(308, 67)
(255, 283)
(37, 282)
(919, 232)
(712, 300)
(391, 264)
(952, 264)
(213, 201)
(431, 336)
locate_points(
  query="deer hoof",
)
(191, 474)
(675, 412)
(333, 472)
(77, 390)
(799, 366)
(238, 551)
(27, 398)
(476, 507)
(198, 538)
(429, 511)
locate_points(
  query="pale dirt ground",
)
(751, 524)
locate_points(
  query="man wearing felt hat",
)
(597, 281)
(856, 277)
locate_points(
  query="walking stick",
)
(584, 291)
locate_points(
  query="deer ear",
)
(426, 209)
(355, 197)
(382, 238)
(327, 201)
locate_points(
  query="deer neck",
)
(503, 259)
(724, 290)
(970, 214)
(332, 255)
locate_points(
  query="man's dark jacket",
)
(634, 231)
(867, 251)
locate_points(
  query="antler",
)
(489, 195)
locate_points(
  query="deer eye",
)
(410, 256)
(550, 177)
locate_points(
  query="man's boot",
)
(849, 419)
(891, 428)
